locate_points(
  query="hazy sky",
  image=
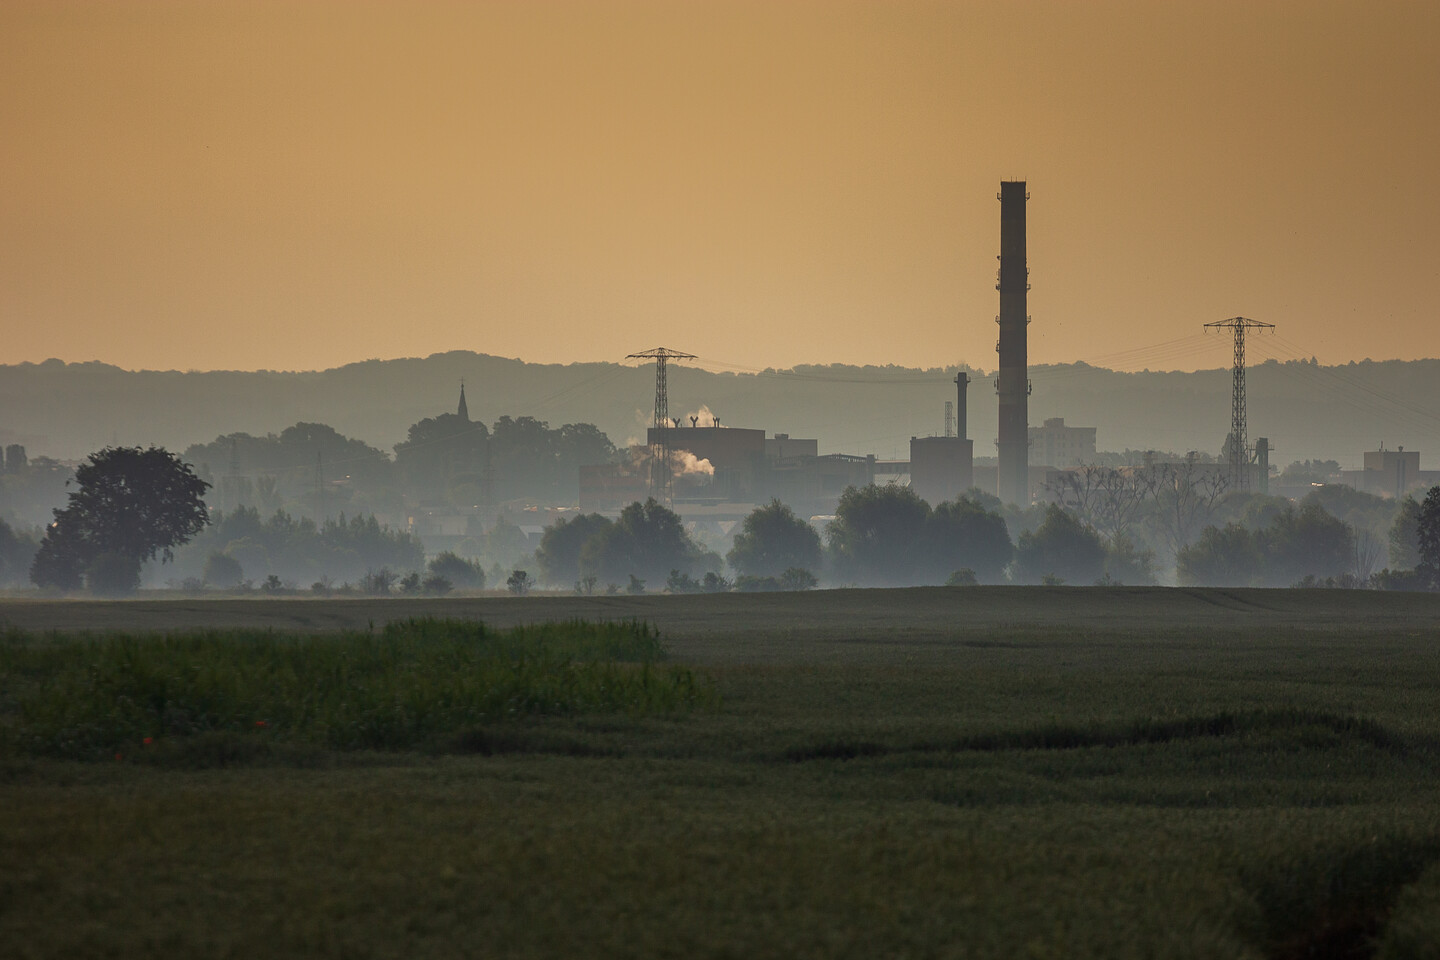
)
(300, 184)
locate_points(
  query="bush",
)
(462, 573)
(798, 578)
(679, 582)
(964, 577)
(713, 582)
(222, 570)
(377, 583)
(436, 585)
(519, 582)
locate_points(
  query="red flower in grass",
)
(259, 723)
(118, 757)
(149, 740)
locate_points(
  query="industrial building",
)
(1390, 473)
(941, 468)
(719, 471)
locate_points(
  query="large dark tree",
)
(647, 541)
(1405, 536)
(1428, 536)
(1062, 546)
(1225, 556)
(964, 535)
(1307, 541)
(559, 550)
(439, 452)
(130, 505)
(772, 539)
(877, 534)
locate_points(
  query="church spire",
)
(463, 412)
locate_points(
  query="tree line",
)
(133, 505)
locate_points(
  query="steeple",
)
(463, 412)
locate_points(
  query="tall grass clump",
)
(398, 687)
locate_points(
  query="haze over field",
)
(262, 184)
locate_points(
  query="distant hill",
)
(67, 410)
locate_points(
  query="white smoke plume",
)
(702, 418)
(685, 463)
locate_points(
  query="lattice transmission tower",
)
(1238, 443)
(660, 432)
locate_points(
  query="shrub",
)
(798, 578)
(377, 583)
(222, 570)
(713, 582)
(462, 573)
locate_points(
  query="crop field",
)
(931, 772)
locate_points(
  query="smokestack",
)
(962, 422)
(1013, 384)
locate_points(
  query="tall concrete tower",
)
(1013, 382)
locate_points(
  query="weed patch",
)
(231, 696)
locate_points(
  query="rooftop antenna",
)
(1239, 449)
(660, 450)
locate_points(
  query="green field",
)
(964, 772)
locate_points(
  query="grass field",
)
(971, 772)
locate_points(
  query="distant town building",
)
(1056, 445)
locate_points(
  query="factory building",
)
(722, 471)
(941, 468)
(1390, 473)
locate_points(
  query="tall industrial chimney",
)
(1013, 383)
(962, 415)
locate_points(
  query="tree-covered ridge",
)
(82, 407)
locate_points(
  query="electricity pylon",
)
(660, 449)
(1239, 445)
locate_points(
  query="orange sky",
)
(302, 184)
